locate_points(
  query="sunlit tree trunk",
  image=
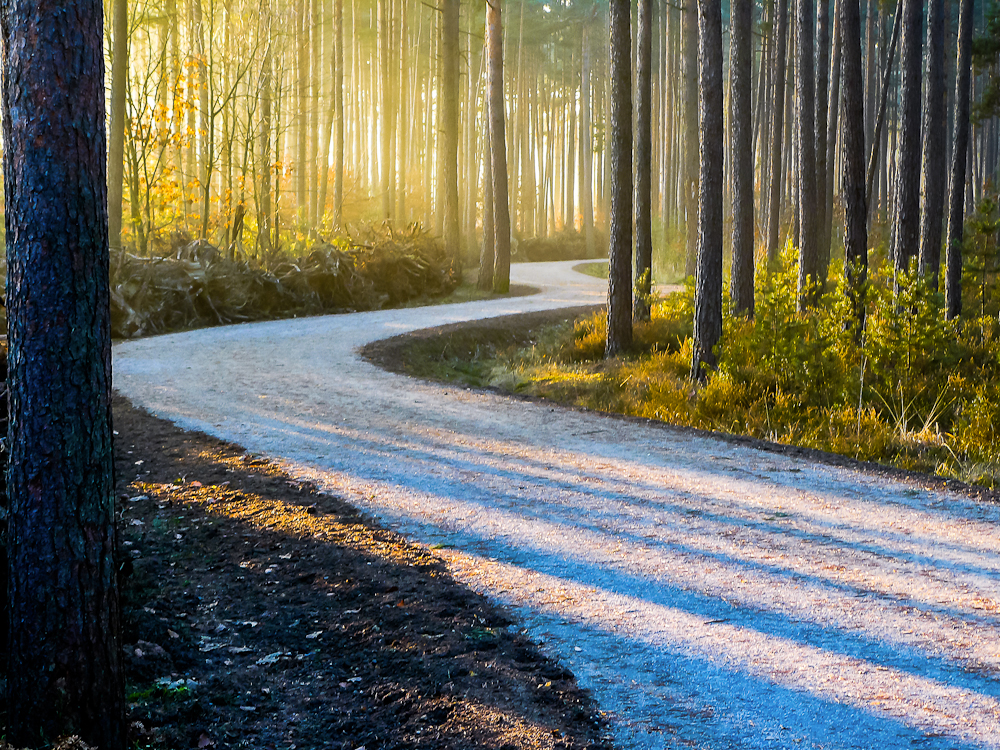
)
(777, 130)
(386, 168)
(449, 130)
(498, 147)
(691, 91)
(822, 106)
(935, 145)
(116, 136)
(64, 672)
(960, 150)
(741, 144)
(264, 138)
(338, 108)
(831, 142)
(708, 281)
(619, 337)
(586, 146)
(487, 253)
(643, 162)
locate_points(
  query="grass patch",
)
(918, 392)
(598, 269)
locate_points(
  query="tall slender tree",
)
(853, 182)
(822, 107)
(741, 146)
(449, 131)
(644, 161)
(116, 135)
(498, 146)
(805, 114)
(708, 280)
(935, 145)
(690, 178)
(619, 335)
(960, 150)
(777, 130)
(906, 216)
(65, 654)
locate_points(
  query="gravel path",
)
(711, 595)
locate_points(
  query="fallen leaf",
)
(172, 634)
(314, 636)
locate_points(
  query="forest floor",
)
(262, 613)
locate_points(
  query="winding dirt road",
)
(710, 595)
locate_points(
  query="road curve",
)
(710, 595)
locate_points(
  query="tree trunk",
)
(960, 150)
(449, 131)
(777, 131)
(935, 145)
(853, 185)
(487, 252)
(586, 146)
(691, 135)
(339, 119)
(643, 162)
(266, 78)
(619, 336)
(64, 671)
(708, 281)
(741, 128)
(876, 145)
(498, 147)
(906, 214)
(822, 112)
(831, 142)
(116, 136)
(805, 113)
(386, 168)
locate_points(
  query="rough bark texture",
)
(822, 107)
(777, 130)
(498, 147)
(935, 145)
(487, 252)
(65, 652)
(449, 129)
(116, 135)
(643, 161)
(620, 136)
(708, 281)
(853, 187)
(906, 217)
(690, 185)
(805, 113)
(741, 127)
(960, 150)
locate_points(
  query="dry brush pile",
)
(199, 286)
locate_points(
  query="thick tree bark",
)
(690, 184)
(906, 214)
(116, 136)
(805, 113)
(708, 281)
(935, 145)
(64, 673)
(449, 131)
(487, 252)
(644, 162)
(777, 131)
(960, 150)
(619, 336)
(853, 185)
(741, 127)
(498, 146)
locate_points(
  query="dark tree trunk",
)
(935, 145)
(620, 135)
(498, 146)
(64, 672)
(960, 150)
(876, 145)
(906, 214)
(853, 181)
(822, 107)
(777, 131)
(449, 130)
(643, 162)
(708, 281)
(116, 136)
(690, 185)
(741, 82)
(805, 113)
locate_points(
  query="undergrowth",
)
(916, 391)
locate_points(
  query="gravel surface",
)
(711, 595)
